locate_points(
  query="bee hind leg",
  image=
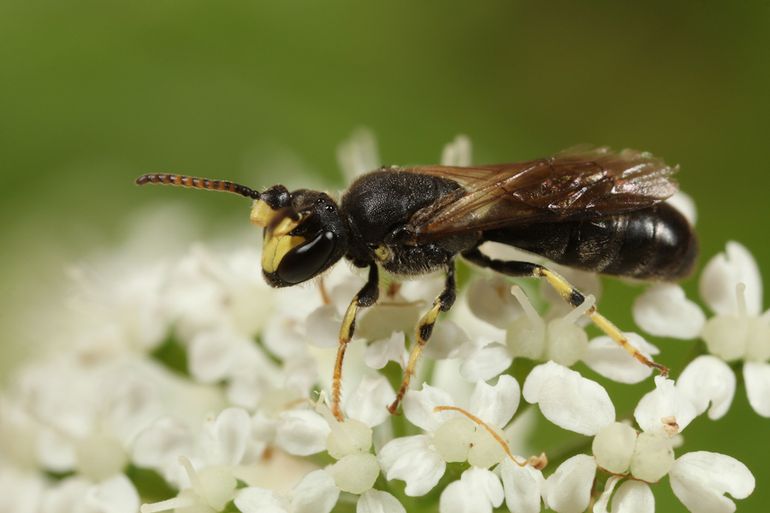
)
(569, 293)
(442, 303)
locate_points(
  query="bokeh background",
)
(94, 93)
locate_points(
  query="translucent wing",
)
(574, 184)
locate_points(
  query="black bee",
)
(590, 209)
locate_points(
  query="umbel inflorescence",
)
(189, 385)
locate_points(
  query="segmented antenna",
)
(197, 183)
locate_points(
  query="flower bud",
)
(613, 447)
(566, 342)
(348, 437)
(485, 451)
(452, 439)
(355, 473)
(653, 457)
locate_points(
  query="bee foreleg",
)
(442, 303)
(367, 296)
(568, 292)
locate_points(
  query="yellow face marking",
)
(286, 225)
(276, 248)
(261, 213)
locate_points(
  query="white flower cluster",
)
(193, 387)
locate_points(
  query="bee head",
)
(304, 234)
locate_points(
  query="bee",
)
(591, 209)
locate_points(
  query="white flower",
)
(560, 339)
(349, 442)
(732, 287)
(477, 491)
(316, 493)
(523, 486)
(358, 154)
(21, 491)
(575, 403)
(76, 495)
(631, 496)
(458, 152)
(700, 480)
(248, 425)
(208, 291)
(224, 445)
(450, 436)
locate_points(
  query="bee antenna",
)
(197, 183)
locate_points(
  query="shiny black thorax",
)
(378, 206)
(654, 243)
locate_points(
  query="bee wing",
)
(578, 183)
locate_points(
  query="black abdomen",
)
(655, 243)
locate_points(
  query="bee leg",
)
(569, 293)
(367, 296)
(442, 303)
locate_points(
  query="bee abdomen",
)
(655, 243)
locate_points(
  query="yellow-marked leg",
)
(424, 330)
(570, 294)
(367, 296)
(576, 298)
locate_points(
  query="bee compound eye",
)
(308, 259)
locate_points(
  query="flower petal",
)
(707, 379)
(160, 446)
(633, 497)
(115, 495)
(322, 327)
(375, 501)
(358, 154)
(412, 460)
(605, 357)
(477, 491)
(457, 152)
(380, 352)
(316, 493)
(419, 407)
(496, 404)
(485, 361)
(569, 400)
(721, 276)
(523, 487)
(63, 497)
(727, 336)
(664, 410)
(601, 504)
(490, 300)
(381, 320)
(700, 480)
(446, 339)
(568, 489)
(259, 500)
(663, 310)
(370, 400)
(212, 354)
(684, 203)
(301, 432)
(225, 438)
(757, 378)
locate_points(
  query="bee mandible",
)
(591, 209)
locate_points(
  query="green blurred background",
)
(94, 93)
